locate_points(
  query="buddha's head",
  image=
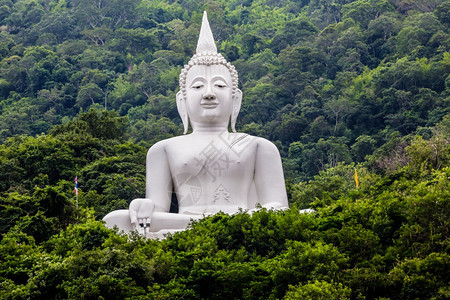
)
(209, 91)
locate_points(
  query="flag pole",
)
(76, 191)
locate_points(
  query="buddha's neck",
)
(205, 129)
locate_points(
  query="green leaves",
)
(318, 290)
(332, 83)
(387, 239)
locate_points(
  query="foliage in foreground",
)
(387, 239)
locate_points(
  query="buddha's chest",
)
(217, 159)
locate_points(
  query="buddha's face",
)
(209, 95)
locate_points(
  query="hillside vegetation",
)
(87, 86)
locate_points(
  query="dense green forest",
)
(87, 86)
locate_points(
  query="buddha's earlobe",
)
(181, 105)
(237, 100)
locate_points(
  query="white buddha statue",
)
(211, 170)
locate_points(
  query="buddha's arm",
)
(157, 196)
(162, 220)
(269, 178)
(158, 178)
(159, 191)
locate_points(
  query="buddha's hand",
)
(141, 211)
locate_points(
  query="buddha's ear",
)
(237, 100)
(181, 105)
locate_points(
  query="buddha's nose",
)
(209, 94)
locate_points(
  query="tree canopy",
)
(343, 88)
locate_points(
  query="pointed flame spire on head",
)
(206, 39)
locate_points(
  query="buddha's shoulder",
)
(244, 139)
(262, 145)
(166, 144)
(252, 138)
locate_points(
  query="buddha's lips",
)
(209, 104)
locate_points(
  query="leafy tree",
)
(364, 145)
(318, 290)
(338, 109)
(363, 11)
(318, 261)
(89, 94)
(100, 124)
(59, 23)
(324, 154)
(111, 14)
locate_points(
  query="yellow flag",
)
(356, 178)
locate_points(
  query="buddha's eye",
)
(220, 84)
(197, 85)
